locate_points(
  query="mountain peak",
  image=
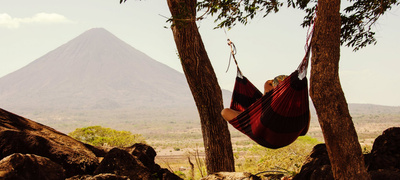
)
(98, 29)
(97, 37)
(97, 32)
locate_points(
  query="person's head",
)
(278, 79)
(271, 84)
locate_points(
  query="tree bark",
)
(203, 84)
(327, 95)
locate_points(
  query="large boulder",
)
(21, 135)
(74, 159)
(123, 163)
(145, 154)
(385, 153)
(120, 162)
(30, 166)
(383, 162)
(316, 166)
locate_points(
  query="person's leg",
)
(229, 114)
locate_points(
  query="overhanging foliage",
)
(358, 18)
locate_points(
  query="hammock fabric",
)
(280, 116)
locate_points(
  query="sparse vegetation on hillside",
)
(100, 136)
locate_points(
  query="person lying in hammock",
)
(229, 114)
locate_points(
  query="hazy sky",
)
(266, 47)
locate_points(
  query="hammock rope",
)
(232, 56)
(304, 64)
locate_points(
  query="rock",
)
(99, 151)
(385, 153)
(146, 154)
(21, 135)
(165, 174)
(383, 174)
(324, 172)
(231, 176)
(99, 177)
(30, 166)
(316, 166)
(120, 162)
(123, 163)
(76, 159)
(383, 162)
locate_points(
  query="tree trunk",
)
(337, 126)
(203, 84)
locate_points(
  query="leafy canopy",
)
(100, 136)
(357, 19)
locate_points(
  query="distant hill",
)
(373, 109)
(357, 109)
(96, 78)
(96, 70)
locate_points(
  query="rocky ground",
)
(29, 150)
(383, 162)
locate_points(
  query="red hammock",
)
(276, 119)
(280, 116)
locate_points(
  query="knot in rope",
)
(232, 55)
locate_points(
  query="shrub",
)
(100, 136)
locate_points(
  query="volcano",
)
(95, 70)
